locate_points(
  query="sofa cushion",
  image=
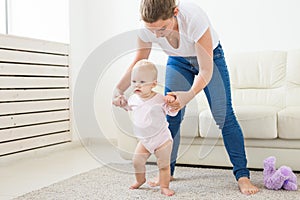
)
(190, 123)
(260, 97)
(256, 122)
(258, 78)
(293, 78)
(293, 67)
(288, 123)
(189, 126)
(265, 69)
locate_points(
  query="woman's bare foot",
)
(246, 187)
(167, 191)
(155, 182)
(136, 185)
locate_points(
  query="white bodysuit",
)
(149, 120)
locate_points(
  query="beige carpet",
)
(112, 182)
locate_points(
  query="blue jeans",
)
(180, 74)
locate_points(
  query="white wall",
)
(46, 19)
(93, 22)
(256, 24)
(2, 17)
(242, 26)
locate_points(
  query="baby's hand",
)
(119, 101)
(169, 98)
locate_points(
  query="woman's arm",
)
(204, 49)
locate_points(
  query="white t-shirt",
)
(192, 24)
(149, 120)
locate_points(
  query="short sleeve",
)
(198, 25)
(145, 35)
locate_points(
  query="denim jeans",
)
(180, 74)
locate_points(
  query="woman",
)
(186, 35)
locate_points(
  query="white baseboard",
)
(44, 151)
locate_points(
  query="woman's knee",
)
(224, 117)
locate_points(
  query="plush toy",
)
(282, 178)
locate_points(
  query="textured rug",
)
(112, 182)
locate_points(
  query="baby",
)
(149, 112)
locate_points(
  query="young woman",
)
(185, 33)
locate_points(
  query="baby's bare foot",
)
(136, 185)
(155, 182)
(246, 187)
(167, 191)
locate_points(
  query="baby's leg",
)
(163, 154)
(140, 157)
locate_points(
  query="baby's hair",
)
(153, 10)
(146, 65)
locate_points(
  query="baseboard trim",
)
(47, 150)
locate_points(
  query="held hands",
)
(177, 100)
(169, 98)
(120, 100)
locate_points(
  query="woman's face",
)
(161, 28)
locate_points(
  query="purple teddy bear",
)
(283, 178)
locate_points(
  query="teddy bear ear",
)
(269, 161)
(272, 157)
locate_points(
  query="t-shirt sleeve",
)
(198, 24)
(145, 35)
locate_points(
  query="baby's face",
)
(142, 82)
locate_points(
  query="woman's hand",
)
(120, 100)
(169, 98)
(180, 99)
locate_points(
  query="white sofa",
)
(266, 99)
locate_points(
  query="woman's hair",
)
(153, 10)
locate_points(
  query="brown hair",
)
(153, 10)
